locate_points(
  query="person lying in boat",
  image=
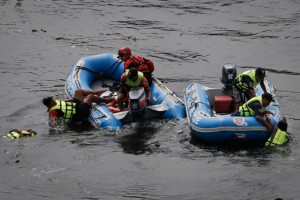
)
(142, 64)
(132, 78)
(18, 133)
(244, 84)
(256, 107)
(73, 110)
(279, 135)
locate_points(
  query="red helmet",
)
(123, 51)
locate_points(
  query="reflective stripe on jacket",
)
(16, 135)
(243, 86)
(12, 135)
(245, 110)
(278, 138)
(68, 108)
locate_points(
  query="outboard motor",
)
(137, 100)
(228, 75)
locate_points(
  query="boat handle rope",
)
(200, 102)
(89, 70)
(168, 91)
(99, 74)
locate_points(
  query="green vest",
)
(245, 110)
(243, 86)
(277, 139)
(135, 83)
(16, 135)
(68, 108)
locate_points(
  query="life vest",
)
(278, 138)
(15, 135)
(68, 108)
(243, 86)
(142, 64)
(245, 110)
(135, 83)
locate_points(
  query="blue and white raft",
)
(99, 72)
(207, 124)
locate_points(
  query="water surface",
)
(189, 41)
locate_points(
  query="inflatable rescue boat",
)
(104, 71)
(209, 114)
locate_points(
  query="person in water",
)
(256, 107)
(279, 135)
(18, 133)
(76, 109)
(244, 84)
(142, 64)
(132, 78)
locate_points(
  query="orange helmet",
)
(123, 51)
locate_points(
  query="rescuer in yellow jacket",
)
(76, 109)
(256, 107)
(132, 78)
(279, 136)
(244, 84)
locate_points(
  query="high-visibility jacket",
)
(243, 86)
(16, 135)
(68, 109)
(135, 83)
(278, 138)
(245, 110)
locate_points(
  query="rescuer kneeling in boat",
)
(256, 107)
(279, 136)
(132, 78)
(76, 109)
(244, 84)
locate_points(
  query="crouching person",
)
(256, 107)
(132, 78)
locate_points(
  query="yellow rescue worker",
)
(129, 79)
(76, 109)
(256, 107)
(279, 136)
(244, 85)
(18, 133)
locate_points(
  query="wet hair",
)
(282, 125)
(47, 101)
